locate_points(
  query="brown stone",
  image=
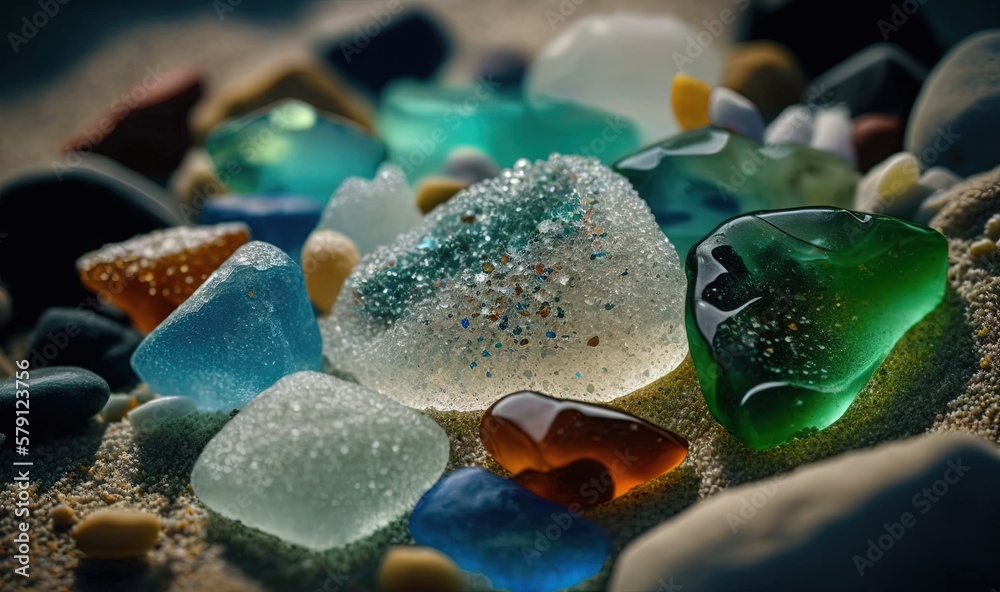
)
(418, 569)
(146, 127)
(434, 191)
(117, 534)
(766, 73)
(876, 137)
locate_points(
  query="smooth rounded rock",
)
(150, 417)
(118, 407)
(412, 44)
(62, 516)
(59, 399)
(907, 515)
(734, 112)
(434, 191)
(328, 257)
(470, 165)
(78, 337)
(766, 73)
(623, 63)
(956, 120)
(86, 206)
(117, 534)
(506, 67)
(793, 126)
(418, 569)
(875, 137)
(196, 183)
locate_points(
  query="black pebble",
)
(70, 337)
(407, 45)
(60, 400)
(46, 223)
(882, 78)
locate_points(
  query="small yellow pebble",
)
(689, 100)
(328, 257)
(899, 174)
(993, 227)
(62, 516)
(117, 534)
(418, 569)
(983, 248)
(434, 191)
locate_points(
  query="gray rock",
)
(916, 514)
(956, 119)
(59, 399)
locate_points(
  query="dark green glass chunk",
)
(789, 312)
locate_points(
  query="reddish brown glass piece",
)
(574, 452)
(152, 274)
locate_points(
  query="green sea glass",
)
(292, 149)
(695, 180)
(790, 312)
(423, 123)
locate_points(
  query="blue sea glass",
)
(493, 526)
(283, 221)
(291, 149)
(248, 325)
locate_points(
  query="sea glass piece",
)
(507, 286)
(283, 221)
(372, 212)
(624, 63)
(493, 526)
(696, 180)
(149, 276)
(292, 149)
(320, 462)
(423, 123)
(790, 312)
(573, 452)
(248, 325)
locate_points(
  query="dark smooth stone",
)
(390, 46)
(821, 38)
(876, 137)
(52, 216)
(504, 66)
(60, 398)
(146, 128)
(882, 78)
(70, 337)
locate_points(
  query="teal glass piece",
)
(695, 180)
(423, 123)
(292, 149)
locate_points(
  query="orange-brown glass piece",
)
(147, 277)
(574, 452)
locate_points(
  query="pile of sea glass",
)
(528, 249)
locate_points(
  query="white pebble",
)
(151, 416)
(832, 132)
(732, 111)
(793, 126)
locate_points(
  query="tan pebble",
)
(766, 73)
(418, 569)
(983, 248)
(108, 498)
(195, 182)
(328, 257)
(118, 407)
(434, 191)
(117, 534)
(62, 516)
(993, 227)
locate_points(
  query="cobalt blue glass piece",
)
(248, 325)
(493, 526)
(283, 221)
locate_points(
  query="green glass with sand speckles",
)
(789, 312)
